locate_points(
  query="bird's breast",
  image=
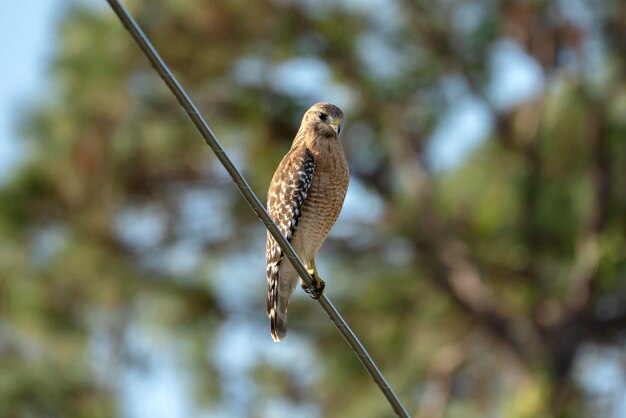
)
(324, 199)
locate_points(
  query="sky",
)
(27, 35)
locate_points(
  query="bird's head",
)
(324, 119)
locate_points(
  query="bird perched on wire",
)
(304, 200)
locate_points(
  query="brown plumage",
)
(304, 199)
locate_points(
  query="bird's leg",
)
(318, 285)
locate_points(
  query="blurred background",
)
(480, 255)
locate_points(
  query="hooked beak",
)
(336, 125)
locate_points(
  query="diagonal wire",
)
(252, 200)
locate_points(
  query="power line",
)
(254, 202)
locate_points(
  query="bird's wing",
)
(286, 196)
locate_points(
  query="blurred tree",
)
(477, 286)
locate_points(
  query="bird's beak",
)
(336, 125)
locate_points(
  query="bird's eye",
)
(323, 116)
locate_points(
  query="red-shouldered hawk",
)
(304, 199)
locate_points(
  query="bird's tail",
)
(277, 311)
(278, 325)
(277, 301)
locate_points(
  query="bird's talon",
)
(315, 293)
(316, 290)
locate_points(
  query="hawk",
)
(304, 200)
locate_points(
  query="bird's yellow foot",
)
(317, 289)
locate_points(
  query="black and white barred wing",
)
(287, 194)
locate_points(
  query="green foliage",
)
(124, 246)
